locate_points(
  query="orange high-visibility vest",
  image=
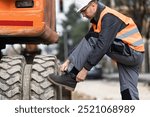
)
(129, 35)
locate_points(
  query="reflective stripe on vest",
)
(129, 35)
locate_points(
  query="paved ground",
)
(106, 89)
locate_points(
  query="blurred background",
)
(72, 27)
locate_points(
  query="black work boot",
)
(67, 80)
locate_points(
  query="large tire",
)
(40, 87)
(21, 81)
(11, 74)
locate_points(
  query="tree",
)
(74, 29)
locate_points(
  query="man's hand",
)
(81, 75)
(64, 66)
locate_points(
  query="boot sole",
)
(58, 84)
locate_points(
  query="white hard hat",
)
(80, 4)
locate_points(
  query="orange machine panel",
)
(21, 21)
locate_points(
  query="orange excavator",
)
(24, 77)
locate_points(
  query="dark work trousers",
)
(80, 54)
(128, 67)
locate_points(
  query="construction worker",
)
(113, 34)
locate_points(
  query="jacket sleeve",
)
(111, 25)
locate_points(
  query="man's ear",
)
(93, 4)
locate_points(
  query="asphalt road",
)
(106, 90)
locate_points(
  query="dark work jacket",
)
(111, 25)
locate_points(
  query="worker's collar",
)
(100, 8)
